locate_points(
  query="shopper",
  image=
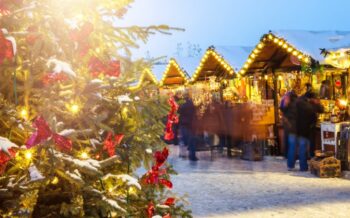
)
(288, 117)
(187, 113)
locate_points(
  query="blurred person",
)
(187, 115)
(288, 116)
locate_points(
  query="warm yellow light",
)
(74, 108)
(266, 77)
(54, 180)
(84, 155)
(28, 155)
(300, 56)
(306, 59)
(260, 45)
(249, 60)
(132, 190)
(253, 55)
(270, 36)
(245, 66)
(280, 43)
(285, 45)
(295, 53)
(275, 40)
(279, 77)
(24, 113)
(290, 49)
(256, 51)
(343, 102)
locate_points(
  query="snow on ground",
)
(226, 188)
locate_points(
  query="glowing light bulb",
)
(249, 60)
(270, 36)
(266, 77)
(74, 108)
(84, 155)
(295, 53)
(300, 56)
(275, 40)
(343, 102)
(245, 66)
(24, 113)
(28, 155)
(280, 77)
(289, 49)
(306, 60)
(260, 45)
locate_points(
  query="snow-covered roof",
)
(234, 55)
(310, 42)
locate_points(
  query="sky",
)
(231, 22)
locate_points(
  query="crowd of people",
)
(224, 126)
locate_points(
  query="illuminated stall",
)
(288, 60)
(146, 78)
(174, 78)
(215, 74)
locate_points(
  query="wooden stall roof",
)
(212, 64)
(289, 49)
(173, 75)
(146, 76)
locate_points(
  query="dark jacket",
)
(187, 113)
(306, 117)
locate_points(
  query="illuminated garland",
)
(173, 63)
(211, 52)
(282, 43)
(144, 74)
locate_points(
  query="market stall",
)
(173, 78)
(288, 60)
(146, 78)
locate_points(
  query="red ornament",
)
(4, 158)
(97, 67)
(113, 68)
(6, 48)
(110, 143)
(43, 133)
(338, 83)
(167, 216)
(169, 201)
(80, 36)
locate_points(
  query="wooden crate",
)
(325, 167)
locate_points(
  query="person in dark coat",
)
(187, 115)
(288, 116)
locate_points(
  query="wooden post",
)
(276, 108)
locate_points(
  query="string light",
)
(24, 113)
(84, 155)
(74, 108)
(28, 154)
(266, 77)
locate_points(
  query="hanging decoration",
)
(44, 133)
(97, 67)
(172, 118)
(111, 141)
(7, 46)
(339, 58)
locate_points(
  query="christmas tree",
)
(72, 133)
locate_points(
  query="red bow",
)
(169, 201)
(110, 143)
(155, 175)
(161, 156)
(50, 78)
(172, 118)
(97, 67)
(4, 158)
(43, 133)
(6, 48)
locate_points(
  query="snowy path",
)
(226, 188)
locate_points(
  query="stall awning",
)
(146, 76)
(220, 61)
(173, 75)
(289, 49)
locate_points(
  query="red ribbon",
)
(169, 201)
(6, 48)
(4, 158)
(172, 118)
(43, 133)
(110, 143)
(150, 210)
